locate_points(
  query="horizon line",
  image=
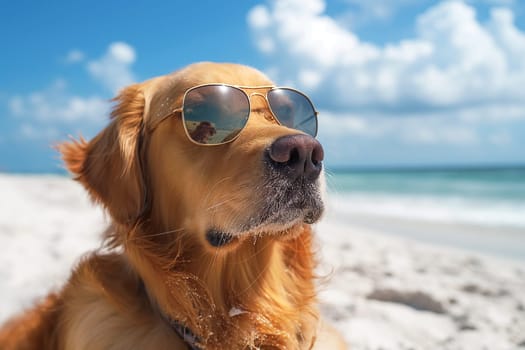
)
(425, 167)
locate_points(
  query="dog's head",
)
(144, 165)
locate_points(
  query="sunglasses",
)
(215, 114)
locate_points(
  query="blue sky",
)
(408, 82)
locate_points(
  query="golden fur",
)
(163, 192)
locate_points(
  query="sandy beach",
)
(382, 290)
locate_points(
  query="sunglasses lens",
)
(293, 110)
(215, 114)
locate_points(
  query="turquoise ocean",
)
(455, 204)
(482, 196)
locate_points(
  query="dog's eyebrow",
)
(259, 110)
(266, 113)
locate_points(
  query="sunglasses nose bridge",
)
(257, 94)
(270, 116)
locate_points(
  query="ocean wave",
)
(449, 209)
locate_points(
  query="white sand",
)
(384, 292)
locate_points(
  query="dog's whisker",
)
(237, 196)
(212, 263)
(206, 198)
(217, 205)
(255, 280)
(160, 233)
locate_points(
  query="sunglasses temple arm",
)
(160, 120)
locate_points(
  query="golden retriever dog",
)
(210, 244)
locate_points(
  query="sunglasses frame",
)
(242, 88)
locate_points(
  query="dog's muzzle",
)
(291, 191)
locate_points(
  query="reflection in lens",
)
(293, 109)
(201, 132)
(215, 114)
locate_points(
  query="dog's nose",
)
(297, 156)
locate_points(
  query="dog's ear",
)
(109, 165)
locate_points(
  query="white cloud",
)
(113, 69)
(419, 133)
(364, 11)
(49, 114)
(495, 2)
(56, 105)
(453, 60)
(437, 129)
(500, 138)
(336, 125)
(74, 56)
(259, 17)
(55, 110)
(32, 132)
